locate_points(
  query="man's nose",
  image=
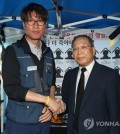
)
(36, 24)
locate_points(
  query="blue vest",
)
(29, 112)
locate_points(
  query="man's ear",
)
(72, 55)
(23, 25)
(94, 51)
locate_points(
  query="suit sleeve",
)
(65, 89)
(113, 101)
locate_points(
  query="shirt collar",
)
(89, 67)
(33, 47)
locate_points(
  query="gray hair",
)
(91, 41)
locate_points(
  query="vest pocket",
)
(28, 113)
(27, 79)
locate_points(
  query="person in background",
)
(99, 110)
(28, 72)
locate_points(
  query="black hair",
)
(39, 10)
(91, 41)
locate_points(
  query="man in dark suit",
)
(99, 112)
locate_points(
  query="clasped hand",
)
(57, 106)
(54, 107)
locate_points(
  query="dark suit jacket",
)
(100, 108)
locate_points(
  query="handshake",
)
(57, 106)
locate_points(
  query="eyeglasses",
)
(32, 22)
(83, 48)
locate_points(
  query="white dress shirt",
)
(86, 73)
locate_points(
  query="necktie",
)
(80, 92)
